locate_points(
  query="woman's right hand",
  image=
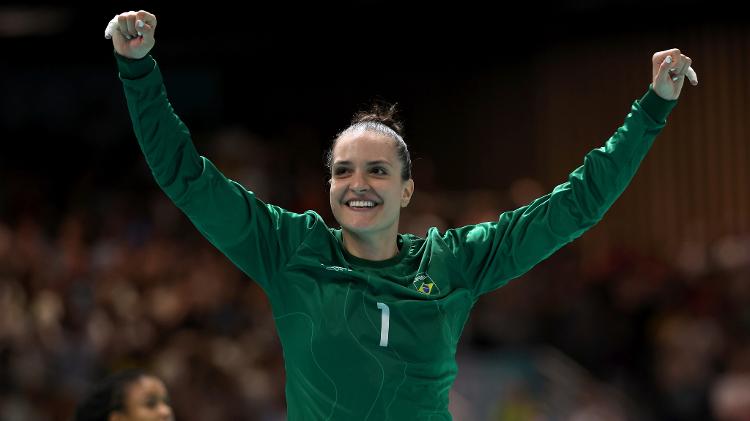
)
(132, 33)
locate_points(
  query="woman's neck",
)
(370, 248)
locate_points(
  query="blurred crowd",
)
(114, 278)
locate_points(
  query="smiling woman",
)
(369, 319)
(370, 183)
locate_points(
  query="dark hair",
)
(107, 396)
(380, 118)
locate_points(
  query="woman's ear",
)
(407, 193)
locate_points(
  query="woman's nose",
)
(359, 183)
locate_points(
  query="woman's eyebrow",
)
(379, 162)
(369, 163)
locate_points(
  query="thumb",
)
(662, 75)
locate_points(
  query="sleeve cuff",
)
(134, 68)
(655, 106)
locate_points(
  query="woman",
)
(130, 395)
(368, 318)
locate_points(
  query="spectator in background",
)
(130, 395)
(730, 397)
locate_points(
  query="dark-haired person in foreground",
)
(368, 318)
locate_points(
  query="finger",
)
(664, 68)
(147, 18)
(131, 24)
(692, 76)
(143, 29)
(680, 69)
(659, 59)
(685, 62)
(688, 71)
(145, 23)
(122, 25)
(661, 55)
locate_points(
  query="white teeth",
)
(361, 203)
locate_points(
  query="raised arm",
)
(495, 252)
(258, 238)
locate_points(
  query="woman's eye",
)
(340, 171)
(379, 171)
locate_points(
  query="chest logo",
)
(425, 285)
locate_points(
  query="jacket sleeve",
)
(257, 237)
(493, 253)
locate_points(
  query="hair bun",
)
(381, 112)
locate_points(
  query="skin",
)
(365, 166)
(371, 233)
(669, 69)
(145, 400)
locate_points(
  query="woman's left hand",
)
(670, 68)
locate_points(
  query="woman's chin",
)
(358, 227)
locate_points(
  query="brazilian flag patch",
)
(424, 284)
(426, 288)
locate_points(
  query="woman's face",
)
(145, 399)
(367, 192)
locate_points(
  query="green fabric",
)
(331, 309)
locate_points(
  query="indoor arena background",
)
(646, 317)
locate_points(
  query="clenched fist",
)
(132, 33)
(669, 69)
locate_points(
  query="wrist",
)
(134, 68)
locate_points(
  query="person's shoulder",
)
(436, 242)
(432, 235)
(312, 214)
(307, 220)
(457, 236)
(312, 218)
(419, 242)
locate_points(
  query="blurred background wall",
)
(644, 317)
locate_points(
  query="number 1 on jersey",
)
(385, 315)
